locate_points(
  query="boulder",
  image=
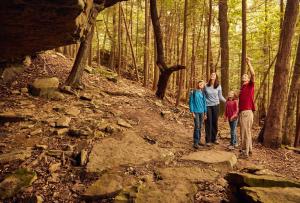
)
(270, 194)
(21, 155)
(9, 74)
(63, 122)
(44, 87)
(221, 159)
(239, 180)
(15, 182)
(108, 185)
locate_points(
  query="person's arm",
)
(191, 101)
(221, 98)
(252, 73)
(236, 112)
(205, 106)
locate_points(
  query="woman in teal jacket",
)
(197, 103)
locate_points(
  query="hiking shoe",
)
(216, 142)
(208, 144)
(201, 144)
(196, 146)
(250, 153)
(243, 155)
(236, 145)
(231, 147)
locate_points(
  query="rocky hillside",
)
(114, 141)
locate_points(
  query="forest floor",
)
(126, 132)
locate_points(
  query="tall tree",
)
(273, 126)
(208, 50)
(165, 71)
(244, 37)
(146, 47)
(183, 53)
(223, 21)
(292, 100)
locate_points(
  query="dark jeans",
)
(211, 123)
(233, 138)
(197, 127)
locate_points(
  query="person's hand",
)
(193, 115)
(225, 119)
(248, 59)
(204, 117)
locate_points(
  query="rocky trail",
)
(114, 141)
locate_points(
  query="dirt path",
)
(123, 138)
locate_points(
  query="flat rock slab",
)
(131, 150)
(272, 194)
(194, 174)
(15, 155)
(239, 179)
(109, 185)
(15, 182)
(13, 117)
(167, 191)
(213, 157)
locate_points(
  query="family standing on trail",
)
(204, 104)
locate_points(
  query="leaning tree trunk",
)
(291, 105)
(273, 128)
(297, 138)
(74, 79)
(208, 50)
(165, 72)
(224, 47)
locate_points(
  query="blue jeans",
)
(197, 127)
(233, 125)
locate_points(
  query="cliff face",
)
(29, 26)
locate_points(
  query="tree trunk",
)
(74, 79)
(146, 47)
(208, 51)
(291, 104)
(113, 41)
(297, 138)
(244, 38)
(130, 43)
(273, 131)
(223, 8)
(183, 53)
(165, 72)
(90, 58)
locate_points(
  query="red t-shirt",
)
(246, 99)
(231, 108)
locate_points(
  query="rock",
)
(165, 114)
(73, 111)
(54, 167)
(83, 157)
(56, 96)
(88, 69)
(9, 74)
(43, 147)
(216, 158)
(44, 87)
(108, 185)
(15, 182)
(86, 97)
(239, 180)
(130, 150)
(21, 155)
(63, 122)
(61, 131)
(79, 132)
(167, 191)
(12, 117)
(193, 174)
(36, 132)
(271, 194)
(124, 123)
(15, 92)
(24, 90)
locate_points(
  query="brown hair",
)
(216, 85)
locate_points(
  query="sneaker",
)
(216, 142)
(201, 144)
(231, 147)
(243, 156)
(208, 144)
(196, 146)
(236, 145)
(250, 153)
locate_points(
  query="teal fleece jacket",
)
(197, 102)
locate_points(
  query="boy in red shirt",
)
(246, 108)
(231, 115)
